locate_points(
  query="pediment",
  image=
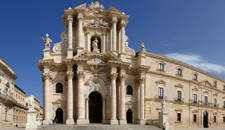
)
(83, 6)
(58, 101)
(179, 86)
(207, 83)
(161, 82)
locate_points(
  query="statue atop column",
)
(47, 41)
(95, 45)
(143, 49)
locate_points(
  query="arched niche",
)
(99, 42)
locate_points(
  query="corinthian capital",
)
(141, 80)
(80, 74)
(80, 16)
(113, 76)
(46, 76)
(69, 74)
(70, 18)
(123, 77)
(114, 20)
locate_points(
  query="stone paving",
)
(12, 128)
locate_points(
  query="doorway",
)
(205, 119)
(129, 117)
(59, 116)
(95, 107)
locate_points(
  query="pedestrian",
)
(53, 120)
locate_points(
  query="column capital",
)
(70, 18)
(141, 80)
(114, 21)
(122, 23)
(80, 74)
(80, 16)
(123, 77)
(113, 76)
(46, 76)
(70, 74)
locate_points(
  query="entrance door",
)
(59, 116)
(95, 107)
(205, 119)
(129, 116)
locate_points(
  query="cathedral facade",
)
(92, 76)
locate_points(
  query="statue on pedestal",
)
(47, 41)
(143, 49)
(95, 45)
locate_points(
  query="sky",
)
(192, 31)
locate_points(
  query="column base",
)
(69, 121)
(47, 122)
(112, 122)
(69, 53)
(140, 121)
(82, 121)
(114, 52)
(79, 49)
(122, 122)
(122, 56)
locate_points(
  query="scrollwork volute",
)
(69, 74)
(113, 76)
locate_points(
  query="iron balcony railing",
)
(160, 97)
(178, 99)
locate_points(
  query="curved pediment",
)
(160, 82)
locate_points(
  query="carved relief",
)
(96, 23)
(95, 9)
(160, 82)
(95, 61)
(127, 49)
(96, 69)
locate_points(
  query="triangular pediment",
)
(207, 83)
(57, 101)
(83, 6)
(114, 9)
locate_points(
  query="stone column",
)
(46, 78)
(70, 74)
(88, 41)
(103, 110)
(80, 32)
(80, 99)
(103, 43)
(122, 35)
(87, 110)
(113, 77)
(114, 23)
(70, 37)
(122, 119)
(142, 101)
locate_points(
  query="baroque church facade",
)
(92, 76)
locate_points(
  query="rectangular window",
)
(195, 99)
(224, 87)
(159, 115)
(215, 83)
(214, 118)
(223, 104)
(215, 102)
(195, 77)
(224, 119)
(160, 93)
(195, 118)
(206, 100)
(179, 95)
(179, 117)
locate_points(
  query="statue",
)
(95, 45)
(143, 49)
(47, 41)
(31, 102)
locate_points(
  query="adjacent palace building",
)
(92, 76)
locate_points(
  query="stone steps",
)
(98, 127)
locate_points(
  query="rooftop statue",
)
(143, 49)
(47, 41)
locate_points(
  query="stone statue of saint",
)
(95, 45)
(31, 103)
(143, 49)
(47, 41)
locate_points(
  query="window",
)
(223, 104)
(215, 119)
(159, 115)
(224, 87)
(59, 88)
(160, 93)
(206, 100)
(179, 71)
(215, 84)
(195, 99)
(224, 119)
(179, 95)
(195, 118)
(195, 77)
(129, 90)
(161, 67)
(179, 117)
(215, 102)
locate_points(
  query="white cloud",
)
(197, 61)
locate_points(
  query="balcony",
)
(7, 99)
(207, 104)
(216, 105)
(178, 99)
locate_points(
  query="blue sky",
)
(192, 31)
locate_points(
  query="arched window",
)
(129, 90)
(59, 88)
(195, 77)
(179, 71)
(161, 67)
